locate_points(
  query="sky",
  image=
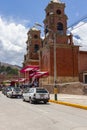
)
(18, 16)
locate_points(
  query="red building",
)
(83, 66)
(56, 53)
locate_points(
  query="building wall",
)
(66, 63)
(82, 61)
(82, 64)
(45, 59)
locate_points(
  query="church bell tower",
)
(33, 45)
(63, 60)
(56, 21)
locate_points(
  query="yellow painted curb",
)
(69, 104)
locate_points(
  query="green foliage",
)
(2, 69)
(8, 70)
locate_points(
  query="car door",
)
(25, 95)
(31, 92)
(8, 91)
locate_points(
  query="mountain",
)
(12, 66)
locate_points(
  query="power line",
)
(82, 19)
(77, 26)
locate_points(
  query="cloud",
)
(13, 38)
(80, 35)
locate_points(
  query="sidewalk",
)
(79, 101)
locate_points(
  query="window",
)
(58, 12)
(36, 47)
(35, 36)
(48, 14)
(31, 90)
(60, 27)
(41, 91)
(46, 29)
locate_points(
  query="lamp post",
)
(55, 86)
(54, 42)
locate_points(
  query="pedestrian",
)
(36, 84)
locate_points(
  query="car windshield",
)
(41, 91)
(26, 90)
(16, 89)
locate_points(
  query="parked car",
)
(14, 92)
(5, 89)
(1, 87)
(35, 95)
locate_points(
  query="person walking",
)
(36, 84)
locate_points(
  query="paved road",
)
(18, 115)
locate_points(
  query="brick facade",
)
(82, 65)
(66, 62)
(82, 61)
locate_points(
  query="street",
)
(18, 115)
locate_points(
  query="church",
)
(55, 54)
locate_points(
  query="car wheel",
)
(23, 99)
(6, 95)
(10, 96)
(30, 100)
(45, 102)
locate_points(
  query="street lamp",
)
(54, 42)
(55, 87)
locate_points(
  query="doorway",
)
(85, 78)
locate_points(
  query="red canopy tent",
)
(40, 74)
(33, 72)
(29, 68)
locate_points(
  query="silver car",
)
(13, 92)
(35, 95)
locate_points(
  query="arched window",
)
(58, 12)
(60, 28)
(35, 36)
(36, 48)
(46, 29)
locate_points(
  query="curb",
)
(69, 104)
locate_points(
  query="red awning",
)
(29, 68)
(22, 79)
(40, 74)
(32, 74)
(19, 80)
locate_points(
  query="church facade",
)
(56, 53)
